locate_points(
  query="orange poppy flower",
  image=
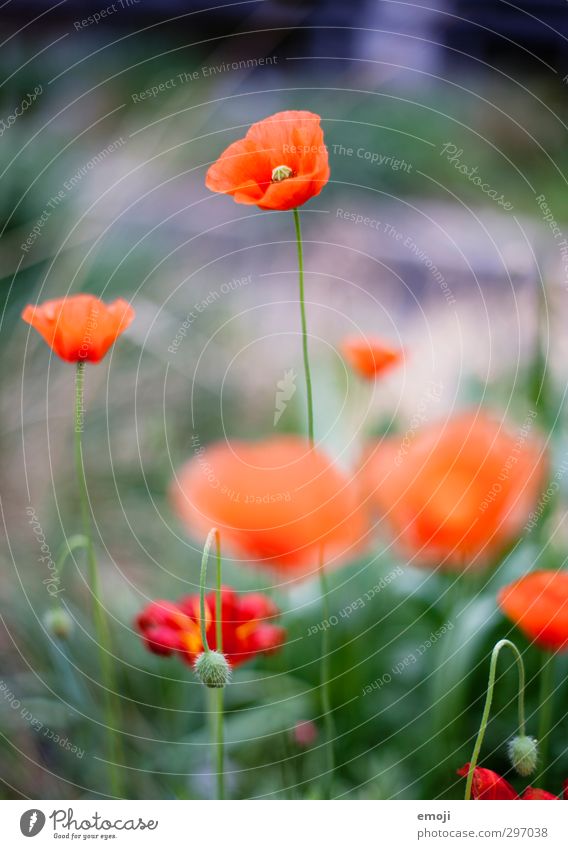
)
(280, 164)
(276, 502)
(456, 491)
(538, 604)
(370, 357)
(80, 327)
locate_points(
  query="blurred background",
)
(446, 129)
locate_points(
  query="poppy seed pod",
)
(523, 754)
(212, 669)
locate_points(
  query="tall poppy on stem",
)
(81, 329)
(280, 164)
(538, 604)
(472, 773)
(212, 633)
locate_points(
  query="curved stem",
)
(212, 535)
(545, 713)
(324, 589)
(216, 695)
(69, 546)
(99, 615)
(488, 701)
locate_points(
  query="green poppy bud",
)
(58, 623)
(523, 753)
(212, 669)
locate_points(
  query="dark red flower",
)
(537, 795)
(488, 784)
(174, 627)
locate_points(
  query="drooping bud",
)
(281, 172)
(523, 754)
(58, 623)
(212, 669)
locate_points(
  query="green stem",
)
(488, 701)
(324, 588)
(99, 615)
(309, 394)
(70, 545)
(216, 695)
(545, 714)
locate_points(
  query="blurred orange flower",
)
(456, 491)
(169, 627)
(370, 357)
(80, 328)
(276, 502)
(280, 164)
(538, 604)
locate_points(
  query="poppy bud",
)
(212, 669)
(58, 623)
(305, 733)
(523, 754)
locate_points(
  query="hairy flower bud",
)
(58, 623)
(523, 753)
(212, 669)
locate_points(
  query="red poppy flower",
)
(174, 627)
(488, 784)
(280, 164)
(457, 490)
(538, 604)
(534, 794)
(80, 327)
(370, 357)
(276, 502)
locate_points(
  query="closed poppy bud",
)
(58, 623)
(488, 784)
(538, 605)
(523, 754)
(79, 328)
(280, 164)
(305, 734)
(212, 669)
(370, 357)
